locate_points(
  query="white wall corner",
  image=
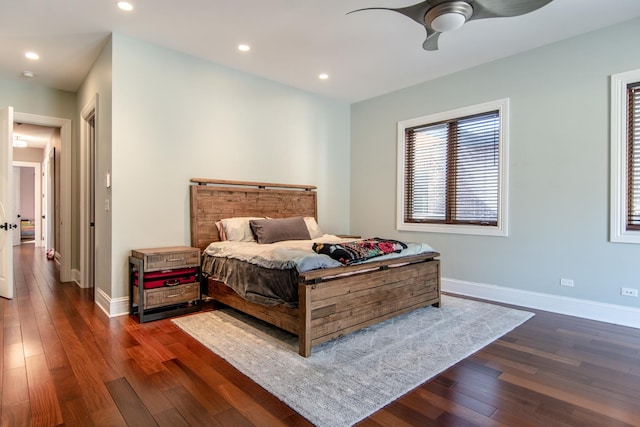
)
(111, 307)
(75, 276)
(602, 312)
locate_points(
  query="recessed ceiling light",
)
(32, 55)
(323, 76)
(28, 74)
(244, 47)
(125, 5)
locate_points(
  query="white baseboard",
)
(75, 276)
(112, 307)
(603, 312)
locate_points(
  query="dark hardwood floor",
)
(64, 362)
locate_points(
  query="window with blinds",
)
(633, 156)
(453, 172)
(625, 157)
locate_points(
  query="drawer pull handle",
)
(175, 259)
(173, 296)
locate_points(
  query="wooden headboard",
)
(213, 200)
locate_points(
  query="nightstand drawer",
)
(168, 258)
(160, 297)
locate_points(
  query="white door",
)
(6, 178)
(16, 204)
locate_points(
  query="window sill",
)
(626, 237)
(477, 230)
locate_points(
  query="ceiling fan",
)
(441, 16)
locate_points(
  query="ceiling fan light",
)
(448, 16)
(447, 22)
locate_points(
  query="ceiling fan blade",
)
(415, 12)
(431, 42)
(481, 9)
(504, 8)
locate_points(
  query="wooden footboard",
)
(331, 308)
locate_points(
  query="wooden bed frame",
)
(331, 302)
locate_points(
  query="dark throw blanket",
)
(359, 250)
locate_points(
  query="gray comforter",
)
(267, 274)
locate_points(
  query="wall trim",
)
(619, 129)
(602, 312)
(502, 228)
(75, 276)
(87, 146)
(111, 307)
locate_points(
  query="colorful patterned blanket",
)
(359, 250)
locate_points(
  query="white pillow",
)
(238, 229)
(313, 227)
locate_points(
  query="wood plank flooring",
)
(64, 362)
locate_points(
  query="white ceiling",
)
(366, 53)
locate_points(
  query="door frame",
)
(15, 197)
(87, 265)
(65, 184)
(47, 196)
(37, 169)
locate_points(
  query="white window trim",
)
(502, 105)
(619, 128)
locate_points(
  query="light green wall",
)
(559, 168)
(97, 85)
(27, 97)
(176, 117)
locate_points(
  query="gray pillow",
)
(278, 229)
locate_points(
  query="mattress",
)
(268, 274)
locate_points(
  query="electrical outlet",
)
(566, 282)
(629, 292)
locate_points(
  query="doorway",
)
(32, 187)
(61, 224)
(27, 184)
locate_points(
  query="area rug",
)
(349, 378)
